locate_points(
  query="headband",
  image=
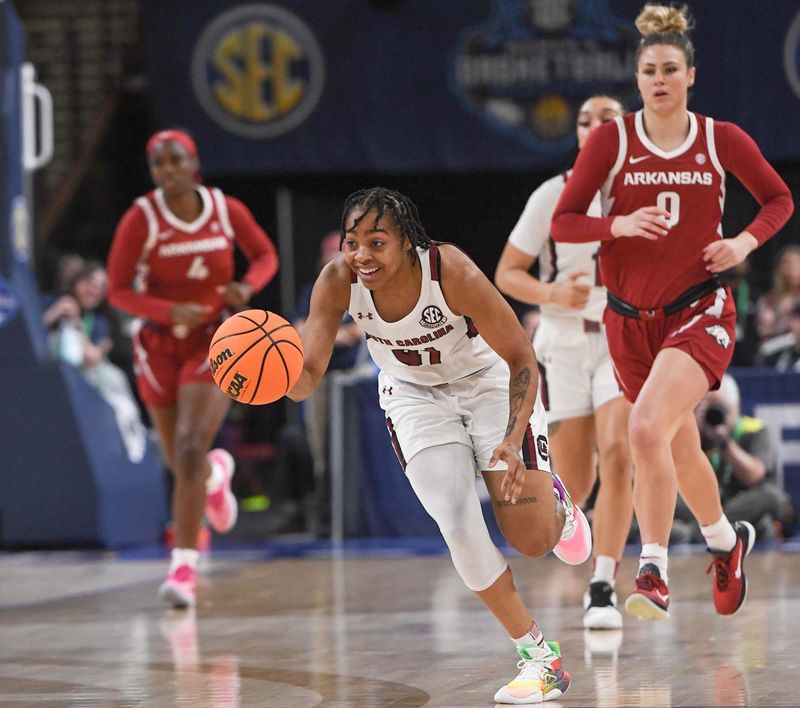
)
(173, 136)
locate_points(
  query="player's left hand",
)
(514, 477)
(728, 252)
(236, 294)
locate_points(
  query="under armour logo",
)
(386, 390)
(361, 315)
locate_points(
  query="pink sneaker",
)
(178, 589)
(575, 545)
(221, 506)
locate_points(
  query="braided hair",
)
(402, 209)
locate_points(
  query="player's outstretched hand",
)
(514, 477)
(648, 222)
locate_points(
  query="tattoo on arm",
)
(518, 391)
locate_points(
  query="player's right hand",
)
(190, 314)
(648, 222)
(570, 293)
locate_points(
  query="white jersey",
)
(430, 345)
(557, 260)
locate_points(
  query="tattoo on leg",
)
(518, 390)
(522, 500)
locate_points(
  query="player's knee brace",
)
(443, 478)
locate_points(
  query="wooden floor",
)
(87, 630)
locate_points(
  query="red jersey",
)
(688, 182)
(157, 260)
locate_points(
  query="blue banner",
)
(435, 85)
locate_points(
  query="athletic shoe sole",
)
(645, 609)
(602, 618)
(173, 597)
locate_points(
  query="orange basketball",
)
(256, 356)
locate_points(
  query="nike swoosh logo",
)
(633, 160)
(164, 235)
(663, 598)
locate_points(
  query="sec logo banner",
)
(258, 71)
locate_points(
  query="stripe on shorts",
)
(543, 388)
(396, 443)
(529, 449)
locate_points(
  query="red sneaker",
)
(650, 597)
(221, 506)
(730, 583)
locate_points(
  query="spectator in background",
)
(744, 460)
(772, 308)
(79, 323)
(315, 408)
(737, 278)
(783, 352)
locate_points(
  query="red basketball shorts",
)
(705, 330)
(162, 362)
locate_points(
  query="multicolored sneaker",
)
(650, 597)
(178, 588)
(541, 676)
(730, 583)
(600, 607)
(575, 545)
(221, 507)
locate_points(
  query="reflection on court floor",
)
(373, 629)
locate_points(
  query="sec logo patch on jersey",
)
(432, 317)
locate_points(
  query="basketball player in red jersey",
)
(171, 264)
(459, 389)
(670, 321)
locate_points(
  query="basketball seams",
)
(274, 343)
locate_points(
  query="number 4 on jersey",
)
(198, 270)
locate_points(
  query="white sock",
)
(532, 637)
(719, 536)
(604, 569)
(216, 478)
(183, 556)
(656, 554)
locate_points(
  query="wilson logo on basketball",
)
(235, 386)
(432, 317)
(219, 359)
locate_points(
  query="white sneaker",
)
(600, 607)
(541, 677)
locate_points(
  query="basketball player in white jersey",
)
(459, 388)
(586, 412)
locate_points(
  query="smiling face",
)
(90, 290)
(664, 78)
(173, 168)
(596, 111)
(376, 251)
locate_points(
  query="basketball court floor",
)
(370, 626)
